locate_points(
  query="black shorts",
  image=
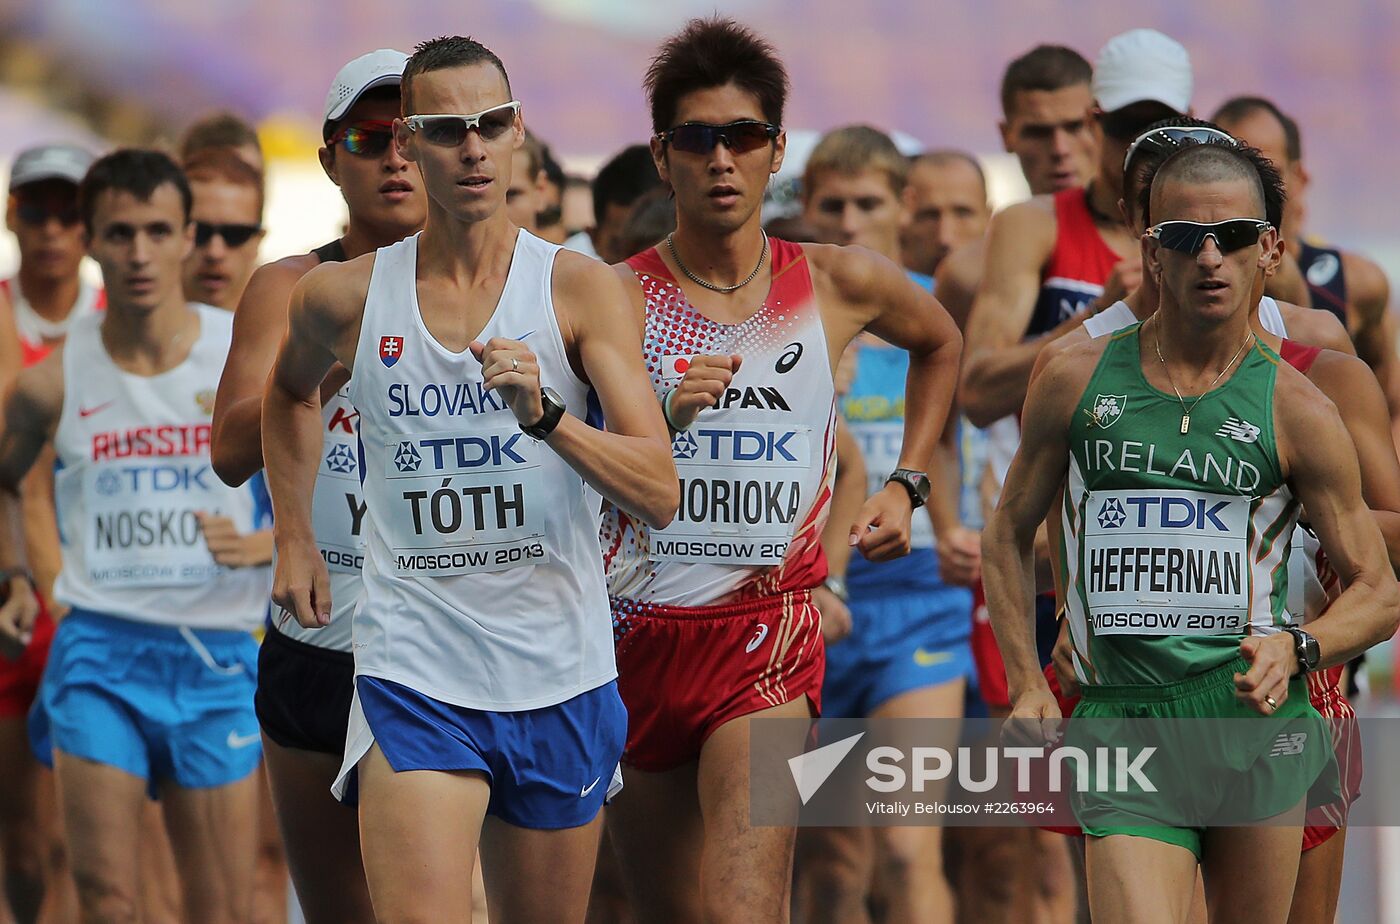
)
(304, 692)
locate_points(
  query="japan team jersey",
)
(483, 586)
(133, 455)
(756, 471)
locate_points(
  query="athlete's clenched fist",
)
(705, 381)
(508, 366)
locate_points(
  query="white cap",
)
(376, 69)
(1143, 66)
(50, 162)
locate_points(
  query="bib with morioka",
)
(1175, 545)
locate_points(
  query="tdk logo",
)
(1166, 513)
(747, 445)
(1111, 515)
(341, 460)
(684, 446)
(456, 453)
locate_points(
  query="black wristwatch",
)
(553, 413)
(916, 483)
(1305, 647)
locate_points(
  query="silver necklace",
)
(1185, 411)
(724, 290)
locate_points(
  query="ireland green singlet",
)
(1175, 545)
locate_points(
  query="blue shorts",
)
(898, 643)
(548, 768)
(159, 702)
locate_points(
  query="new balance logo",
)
(1240, 430)
(1286, 745)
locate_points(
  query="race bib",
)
(144, 529)
(741, 494)
(1166, 562)
(338, 509)
(464, 504)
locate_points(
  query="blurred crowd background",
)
(137, 71)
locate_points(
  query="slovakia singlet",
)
(133, 454)
(483, 586)
(756, 471)
(337, 511)
(1174, 543)
(35, 331)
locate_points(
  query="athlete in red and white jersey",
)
(713, 617)
(755, 469)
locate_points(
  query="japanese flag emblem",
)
(390, 349)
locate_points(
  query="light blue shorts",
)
(159, 702)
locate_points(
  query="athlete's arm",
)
(1008, 540)
(1350, 384)
(1369, 318)
(1324, 474)
(957, 279)
(322, 325)
(629, 463)
(847, 495)
(871, 293)
(258, 324)
(1315, 327)
(32, 407)
(999, 359)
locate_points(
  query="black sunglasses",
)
(232, 235)
(740, 137)
(36, 214)
(1189, 237)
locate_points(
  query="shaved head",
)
(1203, 165)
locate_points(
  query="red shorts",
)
(19, 679)
(685, 671)
(1325, 692)
(991, 672)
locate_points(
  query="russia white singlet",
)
(133, 455)
(483, 586)
(337, 515)
(755, 471)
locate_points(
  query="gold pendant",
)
(1185, 422)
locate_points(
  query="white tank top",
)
(483, 586)
(755, 471)
(133, 454)
(34, 329)
(337, 515)
(1118, 316)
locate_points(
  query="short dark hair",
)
(943, 157)
(711, 53)
(623, 180)
(217, 130)
(854, 148)
(1209, 163)
(653, 216)
(1144, 160)
(223, 165)
(1044, 67)
(135, 170)
(1242, 107)
(444, 52)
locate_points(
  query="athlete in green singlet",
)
(1187, 448)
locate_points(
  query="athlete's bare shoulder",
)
(335, 293)
(850, 270)
(1315, 327)
(36, 396)
(958, 277)
(1368, 289)
(1344, 375)
(586, 291)
(1053, 348)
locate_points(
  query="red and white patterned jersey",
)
(756, 470)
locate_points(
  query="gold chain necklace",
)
(1185, 411)
(723, 290)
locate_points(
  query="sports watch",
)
(553, 413)
(916, 483)
(1305, 647)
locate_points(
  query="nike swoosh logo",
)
(237, 741)
(589, 788)
(930, 658)
(89, 411)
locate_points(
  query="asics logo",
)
(1239, 430)
(238, 742)
(757, 639)
(589, 788)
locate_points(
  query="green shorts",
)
(1216, 761)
